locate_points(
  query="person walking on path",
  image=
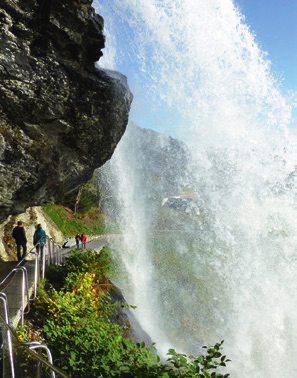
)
(77, 240)
(39, 240)
(19, 236)
(83, 239)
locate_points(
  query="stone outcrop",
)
(60, 116)
(186, 205)
(124, 317)
(30, 219)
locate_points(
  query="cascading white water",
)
(196, 73)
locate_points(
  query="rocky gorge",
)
(61, 117)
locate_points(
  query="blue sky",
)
(275, 24)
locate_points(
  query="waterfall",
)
(229, 271)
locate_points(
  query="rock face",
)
(60, 116)
(30, 219)
(186, 205)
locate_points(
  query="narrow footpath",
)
(12, 287)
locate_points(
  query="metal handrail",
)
(38, 345)
(50, 257)
(36, 268)
(53, 255)
(23, 269)
(4, 299)
(31, 350)
(25, 284)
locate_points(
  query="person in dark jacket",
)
(19, 236)
(77, 240)
(39, 240)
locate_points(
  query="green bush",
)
(76, 326)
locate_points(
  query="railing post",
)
(53, 250)
(4, 299)
(25, 283)
(36, 274)
(43, 261)
(49, 252)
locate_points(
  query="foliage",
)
(76, 324)
(88, 198)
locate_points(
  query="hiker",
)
(83, 239)
(19, 235)
(39, 240)
(77, 239)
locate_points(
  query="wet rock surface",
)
(60, 116)
(124, 317)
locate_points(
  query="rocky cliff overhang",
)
(60, 116)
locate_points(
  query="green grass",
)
(91, 223)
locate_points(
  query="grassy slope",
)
(91, 223)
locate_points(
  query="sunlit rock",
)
(60, 116)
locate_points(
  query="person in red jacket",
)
(83, 240)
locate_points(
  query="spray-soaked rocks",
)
(60, 116)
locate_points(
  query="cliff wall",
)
(60, 116)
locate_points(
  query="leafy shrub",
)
(76, 326)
